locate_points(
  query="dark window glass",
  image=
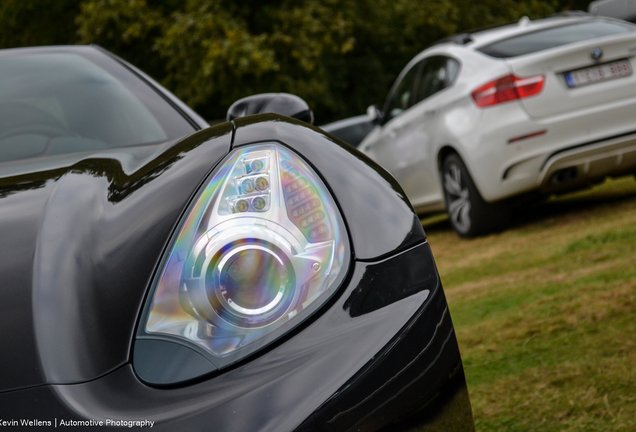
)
(437, 73)
(401, 98)
(553, 37)
(60, 102)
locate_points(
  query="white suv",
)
(547, 105)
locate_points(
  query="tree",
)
(339, 55)
(129, 28)
(26, 23)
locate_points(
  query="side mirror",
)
(278, 103)
(375, 114)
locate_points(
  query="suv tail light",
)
(506, 89)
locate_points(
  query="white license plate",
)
(598, 73)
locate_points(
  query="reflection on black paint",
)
(23, 184)
(410, 385)
(394, 279)
(82, 236)
(121, 184)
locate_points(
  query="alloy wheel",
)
(458, 198)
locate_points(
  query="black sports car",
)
(157, 272)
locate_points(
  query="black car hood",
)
(81, 237)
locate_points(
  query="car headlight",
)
(261, 248)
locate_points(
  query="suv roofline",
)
(478, 37)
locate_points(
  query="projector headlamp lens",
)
(262, 248)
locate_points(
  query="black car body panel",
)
(339, 373)
(83, 236)
(81, 243)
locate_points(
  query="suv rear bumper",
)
(589, 162)
(574, 166)
(514, 154)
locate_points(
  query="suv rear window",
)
(552, 37)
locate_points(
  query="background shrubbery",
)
(339, 55)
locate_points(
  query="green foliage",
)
(125, 27)
(211, 55)
(339, 55)
(215, 52)
(26, 23)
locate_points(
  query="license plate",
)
(598, 73)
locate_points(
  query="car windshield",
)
(552, 37)
(63, 102)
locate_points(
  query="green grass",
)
(545, 313)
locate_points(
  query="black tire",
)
(469, 214)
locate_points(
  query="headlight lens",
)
(262, 247)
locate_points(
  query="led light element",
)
(256, 165)
(247, 185)
(259, 203)
(241, 206)
(262, 184)
(262, 248)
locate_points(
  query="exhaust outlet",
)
(564, 175)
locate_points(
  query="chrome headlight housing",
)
(260, 249)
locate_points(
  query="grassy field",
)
(545, 313)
